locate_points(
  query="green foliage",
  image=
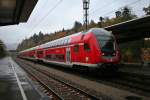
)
(77, 26)
(40, 38)
(36, 39)
(124, 14)
(92, 24)
(147, 10)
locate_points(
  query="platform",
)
(136, 68)
(14, 83)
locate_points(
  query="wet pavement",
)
(14, 83)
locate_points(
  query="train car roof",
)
(100, 31)
(96, 31)
(60, 41)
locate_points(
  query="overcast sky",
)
(64, 15)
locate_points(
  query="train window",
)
(32, 56)
(56, 43)
(68, 41)
(86, 47)
(106, 44)
(64, 42)
(76, 48)
(60, 57)
(39, 52)
(61, 42)
(48, 57)
(55, 57)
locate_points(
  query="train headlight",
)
(114, 54)
(87, 59)
(103, 54)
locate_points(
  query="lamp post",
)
(86, 12)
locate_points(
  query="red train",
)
(95, 48)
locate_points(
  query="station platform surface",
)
(14, 83)
(136, 68)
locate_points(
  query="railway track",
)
(54, 88)
(44, 87)
(138, 84)
(131, 83)
(134, 82)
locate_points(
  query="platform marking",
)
(19, 83)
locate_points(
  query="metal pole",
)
(86, 21)
(85, 14)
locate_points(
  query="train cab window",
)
(76, 48)
(86, 47)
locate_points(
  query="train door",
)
(87, 53)
(40, 54)
(77, 53)
(68, 56)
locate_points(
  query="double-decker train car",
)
(95, 48)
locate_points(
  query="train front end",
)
(107, 53)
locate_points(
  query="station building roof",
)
(15, 11)
(131, 30)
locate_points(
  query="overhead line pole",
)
(86, 12)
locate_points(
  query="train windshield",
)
(106, 44)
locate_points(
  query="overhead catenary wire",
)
(112, 11)
(132, 3)
(36, 11)
(46, 15)
(111, 3)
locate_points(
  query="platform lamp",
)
(86, 12)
